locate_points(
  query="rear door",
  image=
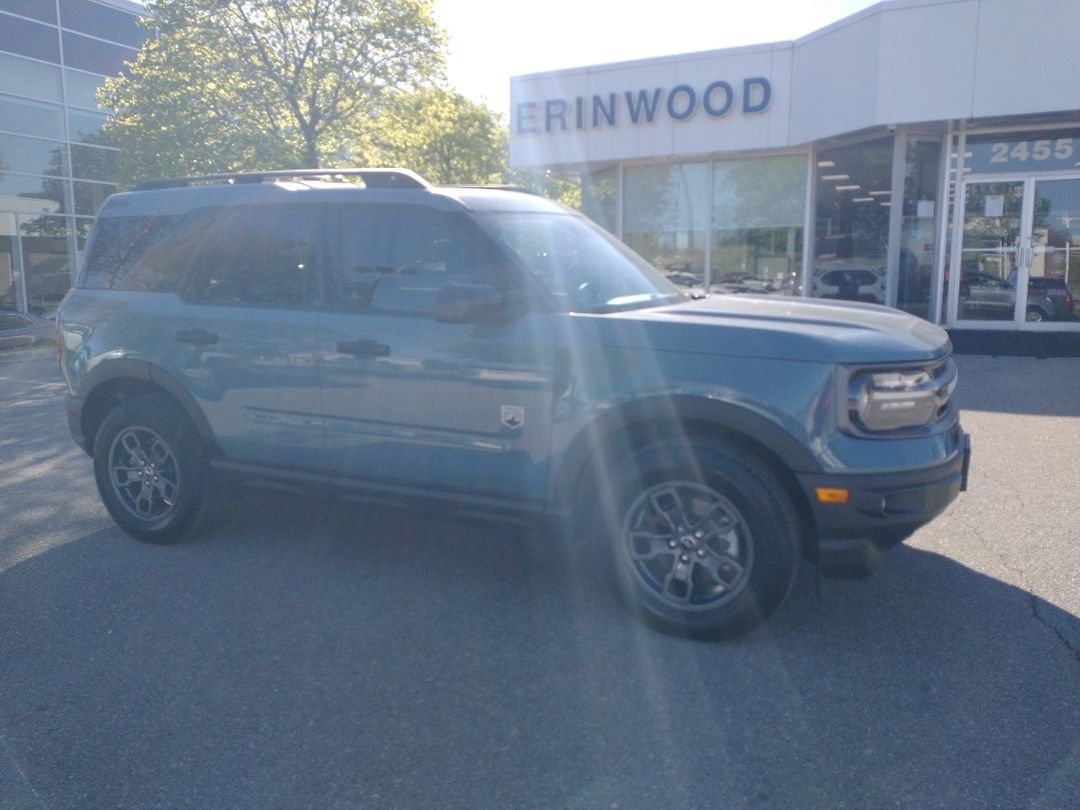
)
(413, 401)
(242, 334)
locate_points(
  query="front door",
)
(410, 400)
(1019, 262)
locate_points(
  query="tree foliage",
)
(444, 137)
(249, 84)
(244, 85)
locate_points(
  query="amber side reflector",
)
(826, 495)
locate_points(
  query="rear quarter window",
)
(134, 253)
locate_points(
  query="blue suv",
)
(488, 348)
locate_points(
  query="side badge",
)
(512, 416)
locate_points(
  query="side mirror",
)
(458, 302)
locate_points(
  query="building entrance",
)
(1019, 259)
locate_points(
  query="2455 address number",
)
(1022, 151)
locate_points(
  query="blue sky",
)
(492, 40)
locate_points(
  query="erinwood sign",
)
(717, 99)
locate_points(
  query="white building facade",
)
(912, 143)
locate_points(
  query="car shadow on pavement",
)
(312, 653)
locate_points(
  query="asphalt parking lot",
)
(307, 653)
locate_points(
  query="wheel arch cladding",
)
(128, 380)
(618, 433)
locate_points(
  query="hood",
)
(777, 327)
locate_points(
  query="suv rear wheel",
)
(151, 469)
(703, 538)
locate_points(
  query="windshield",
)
(581, 265)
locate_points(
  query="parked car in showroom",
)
(844, 281)
(471, 348)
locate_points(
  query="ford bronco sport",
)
(491, 349)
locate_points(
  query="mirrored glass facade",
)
(55, 167)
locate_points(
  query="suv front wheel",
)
(151, 469)
(703, 538)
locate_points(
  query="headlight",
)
(885, 400)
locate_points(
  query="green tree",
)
(444, 137)
(253, 84)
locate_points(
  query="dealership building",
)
(910, 144)
(56, 168)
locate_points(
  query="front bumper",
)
(882, 509)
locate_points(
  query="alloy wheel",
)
(688, 544)
(144, 474)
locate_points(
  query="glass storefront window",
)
(854, 190)
(46, 261)
(25, 78)
(759, 210)
(666, 218)
(598, 197)
(922, 166)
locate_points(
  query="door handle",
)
(371, 347)
(196, 337)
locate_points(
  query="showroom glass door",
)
(992, 252)
(1020, 253)
(1053, 285)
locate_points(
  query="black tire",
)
(1035, 315)
(703, 538)
(151, 469)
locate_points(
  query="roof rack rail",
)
(373, 178)
(494, 187)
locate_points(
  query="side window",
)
(360, 265)
(398, 259)
(258, 256)
(127, 252)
